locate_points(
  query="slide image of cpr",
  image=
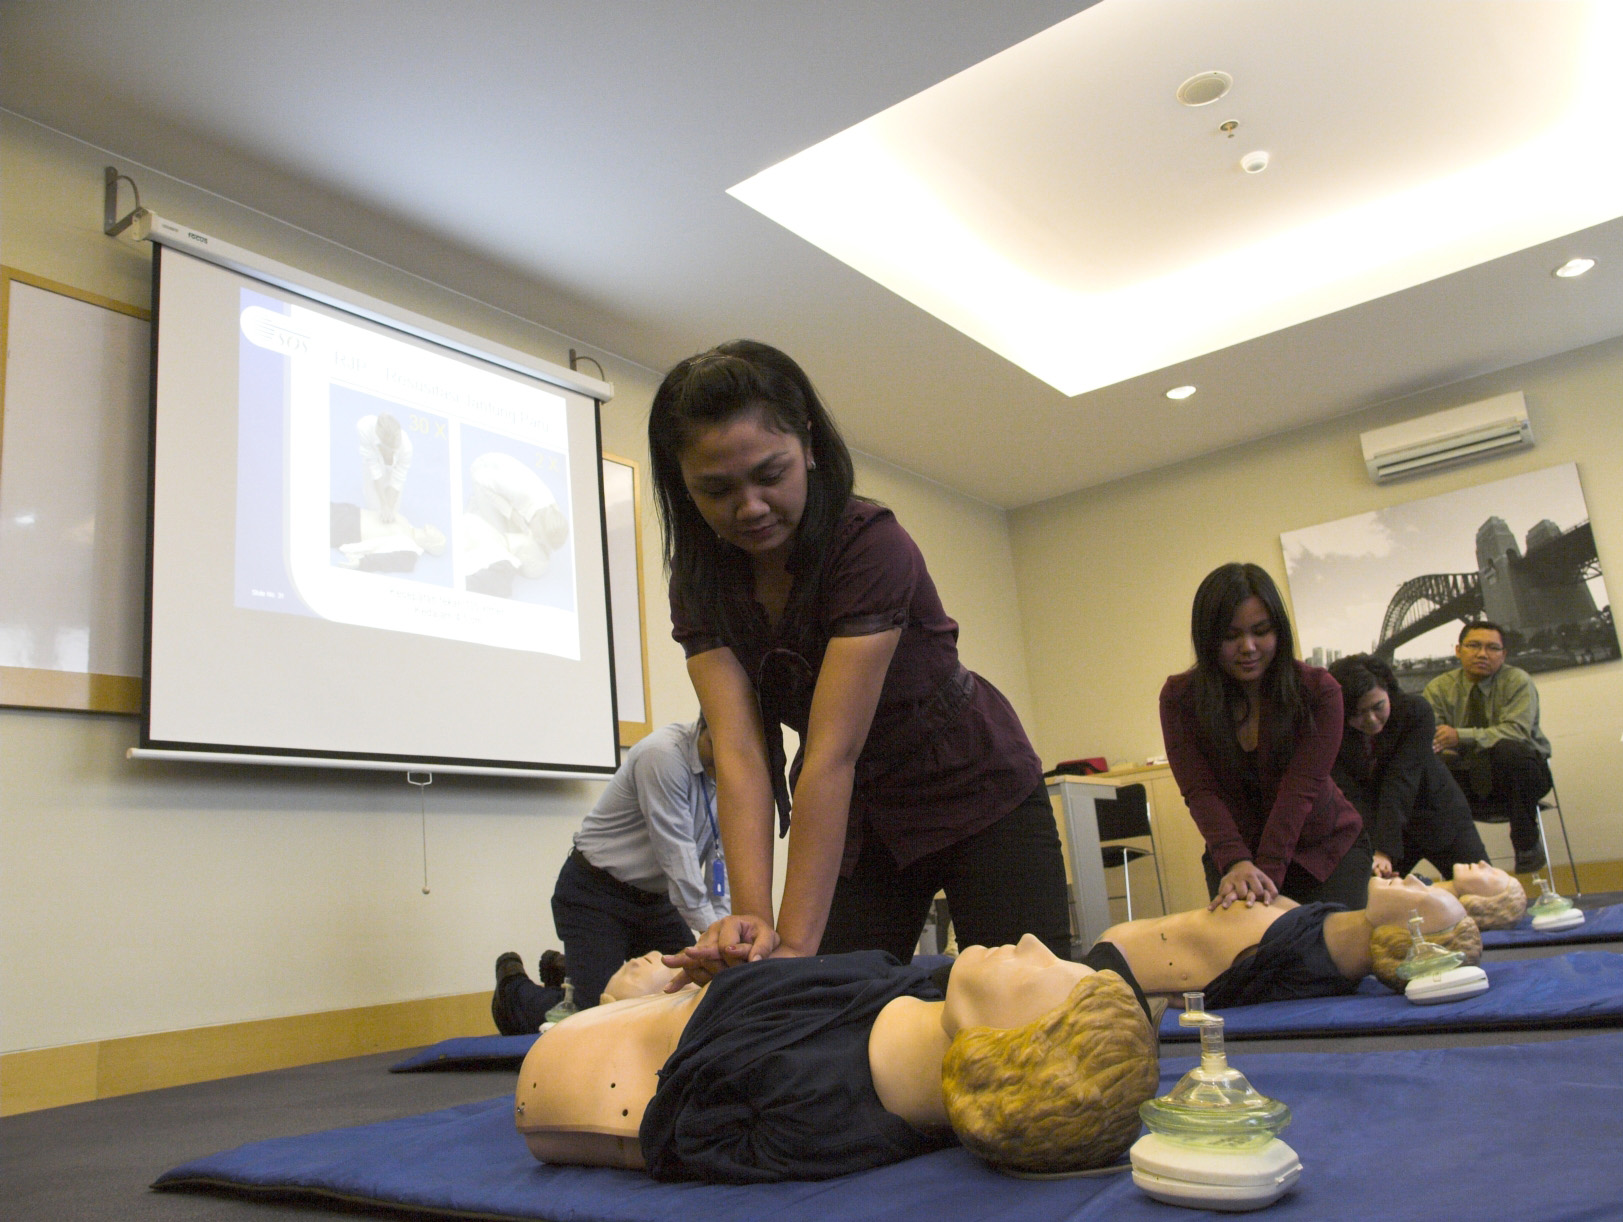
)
(513, 536)
(391, 507)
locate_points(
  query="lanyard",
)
(718, 867)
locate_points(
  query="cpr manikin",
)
(1231, 947)
(1493, 898)
(919, 1069)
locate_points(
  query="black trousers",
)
(1004, 881)
(1446, 841)
(1507, 780)
(1348, 883)
(603, 922)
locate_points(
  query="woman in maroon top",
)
(798, 604)
(1251, 735)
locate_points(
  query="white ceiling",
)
(570, 162)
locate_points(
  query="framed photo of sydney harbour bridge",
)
(1400, 581)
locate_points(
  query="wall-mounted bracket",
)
(111, 223)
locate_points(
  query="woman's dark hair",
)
(1359, 674)
(713, 388)
(1220, 702)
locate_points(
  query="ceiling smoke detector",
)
(1255, 162)
(1204, 88)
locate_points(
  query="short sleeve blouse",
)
(946, 755)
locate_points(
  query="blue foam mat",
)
(1600, 925)
(469, 1052)
(1575, 989)
(1547, 1150)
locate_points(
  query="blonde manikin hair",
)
(1060, 1093)
(1500, 911)
(1389, 946)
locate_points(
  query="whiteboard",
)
(73, 482)
(622, 518)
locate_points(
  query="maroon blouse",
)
(1304, 818)
(946, 755)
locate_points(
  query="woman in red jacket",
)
(1251, 735)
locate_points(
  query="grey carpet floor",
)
(92, 1162)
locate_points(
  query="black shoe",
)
(1529, 861)
(508, 965)
(551, 969)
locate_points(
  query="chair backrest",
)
(1124, 816)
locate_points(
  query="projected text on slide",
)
(387, 485)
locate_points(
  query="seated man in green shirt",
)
(1487, 733)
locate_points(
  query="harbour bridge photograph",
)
(1399, 582)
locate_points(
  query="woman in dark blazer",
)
(1251, 735)
(1411, 804)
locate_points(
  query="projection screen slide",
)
(366, 543)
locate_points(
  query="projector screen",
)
(367, 543)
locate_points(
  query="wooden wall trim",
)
(78, 1073)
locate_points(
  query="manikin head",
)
(550, 527)
(430, 538)
(640, 977)
(533, 559)
(1049, 1060)
(1493, 898)
(1392, 901)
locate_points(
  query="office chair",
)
(1127, 817)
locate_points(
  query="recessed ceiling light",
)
(1574, 267)
(1180, 392)
(1204, 88)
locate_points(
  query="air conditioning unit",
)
(1444, 439)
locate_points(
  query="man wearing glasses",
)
(1487, 733)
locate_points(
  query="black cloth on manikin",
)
(1290, 961)
(770, 1080)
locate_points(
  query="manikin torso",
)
(1188, 950)
(586, 1083)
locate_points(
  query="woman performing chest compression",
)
(800, 604)
(1251, 735)
(1411, 804)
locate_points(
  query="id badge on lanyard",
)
(718, 867)
(718, 877)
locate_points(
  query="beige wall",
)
(1106, 576)
(182, 896)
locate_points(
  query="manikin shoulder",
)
(585, 1083)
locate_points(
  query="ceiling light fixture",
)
(1574, 267)
(890, 198)
(1180, 392)
(1204, 88)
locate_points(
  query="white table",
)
(1088, 895)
